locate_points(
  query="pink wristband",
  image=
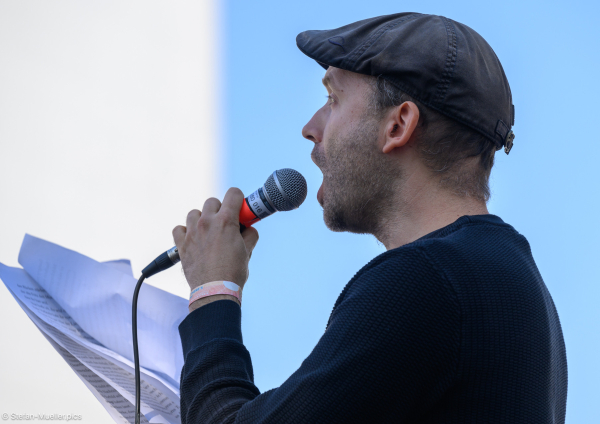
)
(216, 287)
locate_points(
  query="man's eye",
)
(329, 99)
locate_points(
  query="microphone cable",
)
(164, 261)
(136, 356)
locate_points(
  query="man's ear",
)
(400, 126)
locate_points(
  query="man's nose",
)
(313, 130)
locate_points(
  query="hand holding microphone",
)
(210, 245)
(284, 190)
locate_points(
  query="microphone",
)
(284, 190)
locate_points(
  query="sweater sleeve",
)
(389, 353)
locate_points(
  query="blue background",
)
(546, 188)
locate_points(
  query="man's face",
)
(358, 177)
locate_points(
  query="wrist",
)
(213, 291)
(209, 299)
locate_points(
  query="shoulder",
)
(401, 304)
(402, 267)
(399, 281)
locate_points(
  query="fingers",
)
(230, 210)
(179, 235)
(192, 218)
(250, 236)
(232, 202)
(211, 206)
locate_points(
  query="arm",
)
(391, 342)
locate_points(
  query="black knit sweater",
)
(456, 327)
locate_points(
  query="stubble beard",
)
(358, 181)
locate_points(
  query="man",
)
(453, 323)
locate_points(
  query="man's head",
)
(369, 137)
(358, 178)
(412, 98)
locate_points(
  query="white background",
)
(109, 136)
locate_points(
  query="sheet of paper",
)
(97, 296)
(109, 376)
(119, 408)
(30, 294)
(123, 265)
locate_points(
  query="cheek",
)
(343, 118)
(334, 130)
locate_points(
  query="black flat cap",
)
(444, 64)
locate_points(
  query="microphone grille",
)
(292, 184)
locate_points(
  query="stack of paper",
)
(83, 308)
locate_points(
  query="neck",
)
(421, 210)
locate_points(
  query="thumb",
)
(250, 236)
